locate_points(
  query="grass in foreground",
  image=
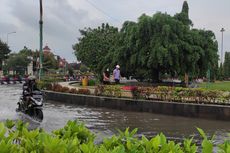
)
(223, 85)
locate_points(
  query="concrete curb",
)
(215, 112)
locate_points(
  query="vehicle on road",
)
(33, 107)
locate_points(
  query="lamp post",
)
(41, 40)
(8, 36)
(222, 44)
(7, 41)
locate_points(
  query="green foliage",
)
(75, 129)
(74, 137)
(84, 68)
(4, 51)
(222, 86)
(26, 52)
(49, 62)
(94, 45)
(46, 82)
(108, 90)
(17, 62)
(42, 85)
(226, 66)
(151, 46)
(180, 94)
(207, 145)
(91, 82)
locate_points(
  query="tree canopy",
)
(150, 47)
(227, 65)
(95, 45)
(4, 51)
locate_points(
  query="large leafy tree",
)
(17, 62)
(94, 46)
(4, 51)
(50, 62)
(26, 52)
(152, 46)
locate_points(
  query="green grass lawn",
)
(224, 85)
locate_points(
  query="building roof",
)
(46, 48)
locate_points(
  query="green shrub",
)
(91, 82)
(83, 91)
(42, 85)
(180, 94)
(108, 90)
(74, 137)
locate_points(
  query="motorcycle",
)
(34, 107)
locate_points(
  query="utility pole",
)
(41, 41)
(222, 45)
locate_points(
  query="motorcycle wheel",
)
(19, 107)
(39, 114)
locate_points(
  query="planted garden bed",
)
(161, 93)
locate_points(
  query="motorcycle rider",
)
(28, 87)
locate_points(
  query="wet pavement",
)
(105, 122)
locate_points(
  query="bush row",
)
(164, 93)
(182, 94)
(74, 137)
(58, 88)
(108, 90)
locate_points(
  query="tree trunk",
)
(186, 79)
(155, 76)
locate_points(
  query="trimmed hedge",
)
(163, 93)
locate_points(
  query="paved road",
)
(104, 122)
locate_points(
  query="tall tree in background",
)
(150, 47)
(18, 63)
(226, 66)
(94, 45)
(49, 62)
(183, 16)
(4, 51)
(26, 52)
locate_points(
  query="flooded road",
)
(105, 122)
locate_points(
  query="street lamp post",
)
(8, 36)
(7, 41)
(41, 40)
(222, 44)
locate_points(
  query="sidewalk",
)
(67, 84)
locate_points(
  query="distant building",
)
(47, 50)
(62, 63)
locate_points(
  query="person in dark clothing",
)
(106, 77)
(28, 87)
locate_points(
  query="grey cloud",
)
(63, 18)
(5, 28)
(25, 12)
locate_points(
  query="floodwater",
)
(105, 122)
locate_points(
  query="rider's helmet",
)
(32, 78)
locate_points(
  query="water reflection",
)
(106, 121)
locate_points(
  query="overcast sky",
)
(63, 19)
